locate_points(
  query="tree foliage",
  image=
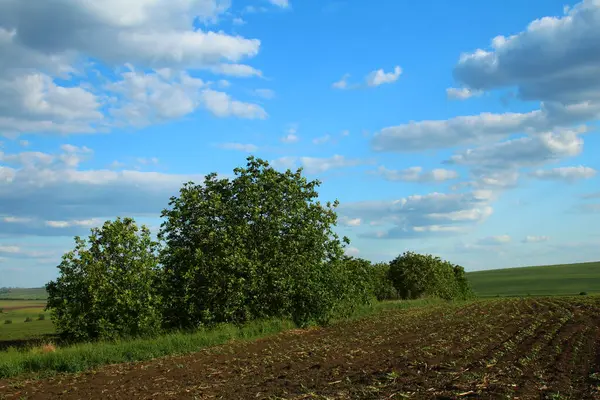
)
(417, 275)
(106, 284)
(257, 245)
(383, 287)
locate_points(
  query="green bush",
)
(418, 275)
(383, 287)
(28, 319)
(41, 317)
(258, 245)
(1, 310)
(583, 293)
(7, 321)
(106, 287)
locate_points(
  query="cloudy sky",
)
(465, 129)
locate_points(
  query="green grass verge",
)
(567, 279)
(81, 357)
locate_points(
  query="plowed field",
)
(538, 348)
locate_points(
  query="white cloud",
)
(322, 139)
(494, 240)
(280, 3)
(147, 98)
(67, 224)
(416, 174)
(535, 239)
(421, 215)
(24, 143)
(462, 93)
(290, 138)
(351, 251)
(315, 165)
(342, 83)
(248, 148)
(379, 77)
(75, 195)
(222, 105)
(291, 134)
(350, 221)
(480, 129)
(523, 152)
(373, 79)
(238, 21)
(554, 59)
(568, 174)
(237, 70)
(145, 34)
(265, 93)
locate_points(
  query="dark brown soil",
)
(495, 349)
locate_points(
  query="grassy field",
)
(568, 279)
(17, 311)
(507, 348)
(25, 294)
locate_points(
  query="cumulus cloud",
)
(315, 165)
(74, 197)
(462, 93)
(345, 221)
(43, 42)
(265, 93)
(351, 251)
(553, 59)
(342, 83)
(567, 174)
(280, 3)
(480, 129)
(523, 152)
(379, 77)
(291, 134)
(248, 148)
(494, 240)
(416, 174)
(322, 139)
(146, 98)
(535, 239)
(421, 215)
(373, 79)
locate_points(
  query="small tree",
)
(258, 245)
(416, 275)
(106, 285)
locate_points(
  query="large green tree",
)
(106, 286)
(257, 245)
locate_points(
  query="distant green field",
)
(25, 294)
(17, 311)
(565, 279)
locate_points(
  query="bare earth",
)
(516, 348)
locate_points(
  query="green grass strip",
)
(86, 356)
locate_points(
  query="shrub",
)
(7, 321)
(1, 310)
(383, 287)
(417, 275)
(28, 319)
(41, 317)
(107, 285)
(258, 245)
(583, 293)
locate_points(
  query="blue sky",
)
(463, 129)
